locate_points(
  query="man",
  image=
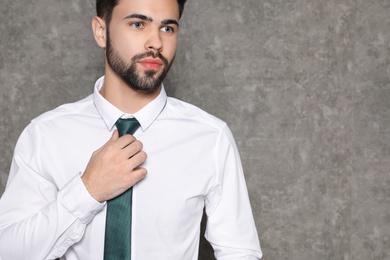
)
(180, 159)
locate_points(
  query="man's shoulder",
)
(65, 110)
(190, 112)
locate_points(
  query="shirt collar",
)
(110, 114)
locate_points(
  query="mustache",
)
(150, 54)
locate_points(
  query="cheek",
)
(126, 45)
(170, 48)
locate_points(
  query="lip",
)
(151, 64)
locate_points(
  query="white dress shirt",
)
(47, 213)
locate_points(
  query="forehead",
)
(156, 9)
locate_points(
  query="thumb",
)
(115, 135)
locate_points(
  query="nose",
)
(154, 41)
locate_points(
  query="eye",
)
(168, 29)
(137, 25)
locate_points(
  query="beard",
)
(150, 81)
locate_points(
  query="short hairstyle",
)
(104, 8)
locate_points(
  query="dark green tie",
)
(117, 243)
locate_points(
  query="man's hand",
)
(114, 167)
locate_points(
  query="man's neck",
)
(122, 96)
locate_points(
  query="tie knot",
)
(127, 125)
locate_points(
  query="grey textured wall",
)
(303, 84)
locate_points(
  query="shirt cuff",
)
(77, 200)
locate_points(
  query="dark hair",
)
(104, 8)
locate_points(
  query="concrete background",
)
(303, 84)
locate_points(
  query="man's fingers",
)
(124, 141)
(114, 167)
(136, 160)
(136, 175)
(132, 149)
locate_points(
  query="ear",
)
(99, 31)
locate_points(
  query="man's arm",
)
(230, 226)
(39, 220)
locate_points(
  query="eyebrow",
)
(169, 21)
(149, 19)
(139, 16)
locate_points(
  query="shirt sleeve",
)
(230, 226)
(37, 219)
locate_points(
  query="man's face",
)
(141, 41)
